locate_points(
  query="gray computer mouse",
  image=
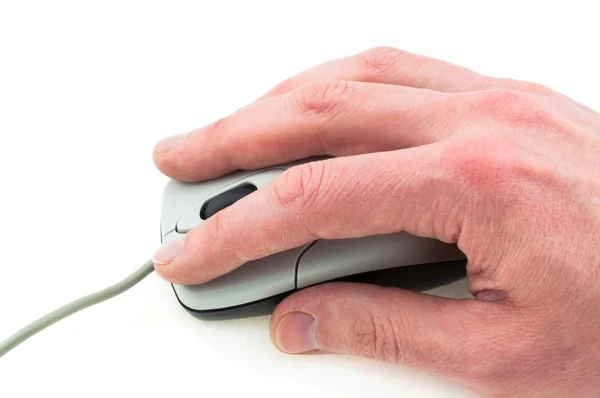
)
(256, 287)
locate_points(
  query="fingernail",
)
(296, 333)
(168, 144)
(168, 252)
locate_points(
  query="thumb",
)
(466, 340)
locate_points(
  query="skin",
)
(508, 170)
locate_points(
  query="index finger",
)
(356, 196)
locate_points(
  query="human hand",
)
(508, 170)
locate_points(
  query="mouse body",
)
(256, 287)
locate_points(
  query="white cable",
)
(75, 306)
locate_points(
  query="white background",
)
(87, 88)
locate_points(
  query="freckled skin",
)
(509, 170)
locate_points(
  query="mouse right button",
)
(328, 260)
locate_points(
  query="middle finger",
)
(335, 118)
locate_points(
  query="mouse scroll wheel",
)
(224, 200)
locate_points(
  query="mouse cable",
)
(75, 306)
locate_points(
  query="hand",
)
(509, 170)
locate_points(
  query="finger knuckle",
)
(501, 99)
(514, 107)
(377, 337)
(380, 60)
(216, 229)
(477, 162)
(300, 187)
(215, 131)
(322, 98)
(533, 87)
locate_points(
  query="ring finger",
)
(388, 65)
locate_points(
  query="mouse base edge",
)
(408, 278)
(257, 308)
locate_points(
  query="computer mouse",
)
(256, 287)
